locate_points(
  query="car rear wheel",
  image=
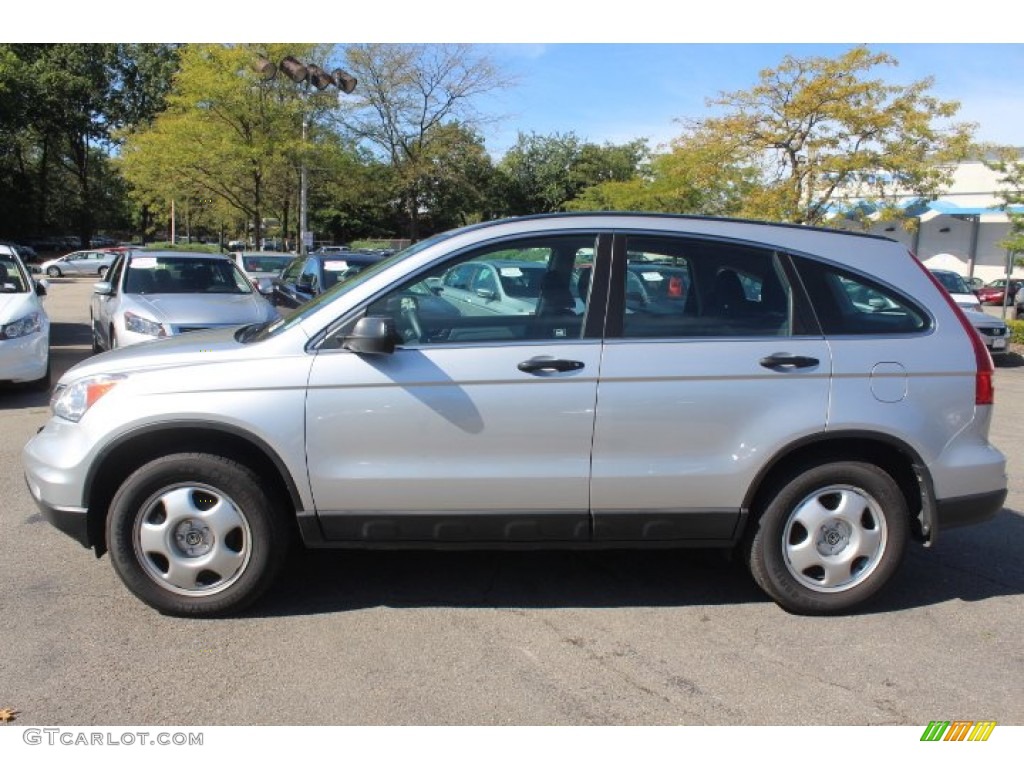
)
(830, 538)
(196, 535)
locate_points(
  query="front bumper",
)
(25, 358)
(74, 521)
(53, 462)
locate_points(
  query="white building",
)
(962, 229)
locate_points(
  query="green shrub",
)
(1016, 331)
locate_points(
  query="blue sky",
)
(618, 92)
(608, 71)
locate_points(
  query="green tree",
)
(407, 94)
(229, 136)
(818, 132)
(542, 174)
(63, 105)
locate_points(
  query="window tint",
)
(677, 287)
(515, 291)
(852, 304)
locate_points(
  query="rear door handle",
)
(538, 365)
(788, 360)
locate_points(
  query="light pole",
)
(305, 75)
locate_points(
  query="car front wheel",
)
(196, 535)
(53, 271)
(830, 537)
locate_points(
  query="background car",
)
(80, 263)
(993, 332)
(995, 291)
(956, 287)
(261, 267)
(503, 287)
(311, 275)
(329, 250)
(24, 326)
(156, 294)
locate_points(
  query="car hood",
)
(14, 306)
(982, 319)
(201, 309)
(187, 349)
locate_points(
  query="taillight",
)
(984, 385)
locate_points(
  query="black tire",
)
(196, 535)
(829, 538)
(53, 272)
(102, 271)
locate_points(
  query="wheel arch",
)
(897, 458)
(118, 460)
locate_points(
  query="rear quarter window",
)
(851, 304)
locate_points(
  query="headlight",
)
(24, 326)
(71, 402)
(139, 324)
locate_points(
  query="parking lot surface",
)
(524, 638)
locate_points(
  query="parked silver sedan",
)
(80, 263)
(152, 295)
(993, 331)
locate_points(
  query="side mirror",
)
(40, 288)
(435, 285)
(371, 336)
(103, 289)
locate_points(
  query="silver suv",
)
(810, 398)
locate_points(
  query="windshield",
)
(339, 289)
(952, 282)
(175, 274)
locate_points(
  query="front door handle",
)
(788, 360)
(538, 365)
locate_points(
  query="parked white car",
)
(24, 326)
(155, 294)
(956, 286)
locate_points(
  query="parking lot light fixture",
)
(305, 75)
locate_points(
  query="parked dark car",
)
(310, 275)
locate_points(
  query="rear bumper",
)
(967, 510)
